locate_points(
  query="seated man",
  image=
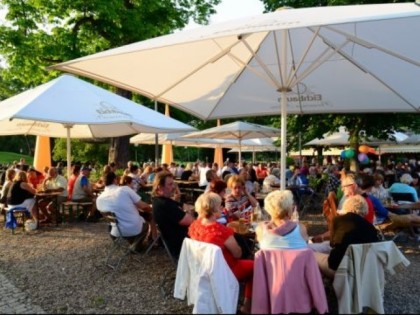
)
(404, 187)
(83, 192)
(169, 215)
(271, 180)
(348, 228)
(55, 183)
(126, 204)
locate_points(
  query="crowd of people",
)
(228, 199)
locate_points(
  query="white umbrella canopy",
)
(341, 138)
(238, 131)
(178, 139)
(68, 107)
(309, 60)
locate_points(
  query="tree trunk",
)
(119, 150)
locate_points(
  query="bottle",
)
(295, 215)
(257, 214)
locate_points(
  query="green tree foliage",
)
(81, 151)
(40, 33)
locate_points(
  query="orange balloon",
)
(364, 149)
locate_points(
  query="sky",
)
(233, 9)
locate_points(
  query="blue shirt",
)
(381, 213)
(403, 188)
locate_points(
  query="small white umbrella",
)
(68, 107)
(335, 59)
(341, 138)
(238, 131)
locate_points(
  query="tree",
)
(40, 33)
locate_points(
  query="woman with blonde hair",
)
(207, 229)
(239, 199)
(280, 232)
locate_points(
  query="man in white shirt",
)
(126, 204)
(55, 183)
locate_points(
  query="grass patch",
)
(10, 157)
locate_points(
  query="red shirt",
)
(214, 233)
(70, 186)
(370, 216)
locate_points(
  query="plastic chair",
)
(166, 280)
(122, 248)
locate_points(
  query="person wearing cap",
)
(82, 192)
(350, 188)
(404, 186)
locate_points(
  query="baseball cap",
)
(85, 168)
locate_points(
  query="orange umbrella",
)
(218, 152)
(42, 156)
(167, 152)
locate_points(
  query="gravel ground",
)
(62, 270)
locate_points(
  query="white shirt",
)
(121, 200)
(58, 182)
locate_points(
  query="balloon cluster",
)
(362, 156)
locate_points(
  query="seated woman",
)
(10, 174)
(239, 199)
(280, 232)
(22, 194)
(348, 228)
(207, 229)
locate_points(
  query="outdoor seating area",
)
(72, 259)
(322, 218)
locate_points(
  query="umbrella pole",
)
(283, 132)
(68, 151)
(156, 142)
(240, 153)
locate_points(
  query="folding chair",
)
(166, 282)
(122, 248)
(12, 214)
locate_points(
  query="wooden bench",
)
(70, 206)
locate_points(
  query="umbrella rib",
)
(371, 45)
(362, 68)
(293, 73)
(324, 56)
(213, 59)
(262, 64)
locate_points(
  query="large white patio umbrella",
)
(340, 59)
(238, 131)
(68, 107)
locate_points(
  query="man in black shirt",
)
(169, 216)
(348, 228)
